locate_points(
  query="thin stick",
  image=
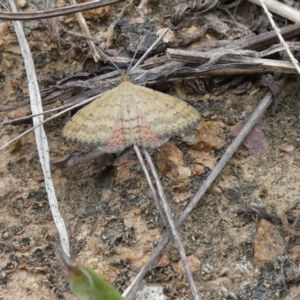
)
(45, 112)
(40, 136)
(232, 148)
(281, 9)
(277, 30)
(166, 216)
(43, 122)
(140, 158)
(87, 32)
(56, 12)
(171, 222)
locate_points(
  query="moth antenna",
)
(150, 48)
(128, 69)
(148, 51)
(108, 58)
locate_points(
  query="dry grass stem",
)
(231, 149)
(280, 9)
(277, 30)
(166, 215)
(56, 12)
(41, 139)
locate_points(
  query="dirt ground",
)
(111, 218)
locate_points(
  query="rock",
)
(194, 264)
(268, 243)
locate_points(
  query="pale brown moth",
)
(130, 114)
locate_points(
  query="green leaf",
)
(86, 283)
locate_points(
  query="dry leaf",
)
(170, 162)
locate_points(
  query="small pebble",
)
(163, 261)
(216, 190)
(228, 103)
(198, 170)
(5, 235)
(206, 97)
(286, 148)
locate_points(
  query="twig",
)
(167, 217)
(253, 42)
(171, 222)
(87, 32)
(232, 148)
(45, 112)
(280, 9)
(261, 65)
(261, 212)
(47, 120)
(154, 194)
(53, 25)
(295, 46)
(19, 16)
(277, 30)
(40, 136)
